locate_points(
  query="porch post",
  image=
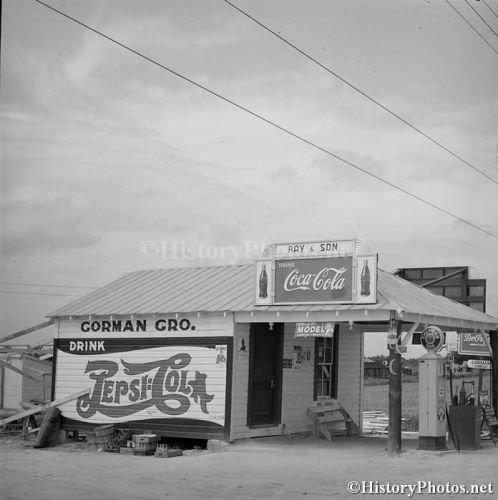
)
(394, 429)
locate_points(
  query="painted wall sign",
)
(315, 329)
(321, 280)
(473, 344)
(264, 282)
(144, 327)
(480, 364)
(366, 279)
(127, 384)
(325, 248)
(432, 338)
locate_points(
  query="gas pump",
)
(432, 392)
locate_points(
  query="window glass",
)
(324, 372)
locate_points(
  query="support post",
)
(493, 340)
(394, 429)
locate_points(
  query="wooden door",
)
(265, 375)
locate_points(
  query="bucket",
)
(103, 433)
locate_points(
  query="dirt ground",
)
(282, 467)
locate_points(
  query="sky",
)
(111, 164)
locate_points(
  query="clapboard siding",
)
(31, 389)
(12, 385)
(204, 325)
(297, 394)
(349, 387)
(118, 404)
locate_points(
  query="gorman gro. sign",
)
(317, 280)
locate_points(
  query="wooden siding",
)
(31, 389)
(12, 385)
(349, 388)
(297, 395)
(140, 388)
(204, 325)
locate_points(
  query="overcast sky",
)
(103, 151)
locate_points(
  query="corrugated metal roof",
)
(231, 288)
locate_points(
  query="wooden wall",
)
(297, 388)
(350, 373)
(11, 386)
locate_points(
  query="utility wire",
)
(45, 286)
(482, 18)
(266, 120)
(34, 293)
(357, 89)
(470, 25)
(486, 4)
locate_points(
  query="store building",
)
(237, 351)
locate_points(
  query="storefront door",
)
(265, 374)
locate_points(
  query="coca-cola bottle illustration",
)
(263, 283)
(365, 279)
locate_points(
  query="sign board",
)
(366, 279)
(131, 382)
(473, 344)
(317, 329)
(489, 415)
(432, 338)
(481, 364)
(324, 248)
(314, 281)
(263, 282)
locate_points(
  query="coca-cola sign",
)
(319, 280)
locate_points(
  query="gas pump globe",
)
(432, 392)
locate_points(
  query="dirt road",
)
(280, 467)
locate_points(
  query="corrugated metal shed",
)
(231, 289)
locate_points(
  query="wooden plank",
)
(394, 429)
(40, 408)
(26, 331)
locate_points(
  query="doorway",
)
(265, 374)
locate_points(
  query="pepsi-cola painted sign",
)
(166, 384)
(129, 383)
(320, 280)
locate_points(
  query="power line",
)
(486, 4)
(45, 286)
(482, 18)
(364, 94)
(470, 25)
(266, 120)
(34, 293)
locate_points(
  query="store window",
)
(325, 367)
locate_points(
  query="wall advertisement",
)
(130, 382)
